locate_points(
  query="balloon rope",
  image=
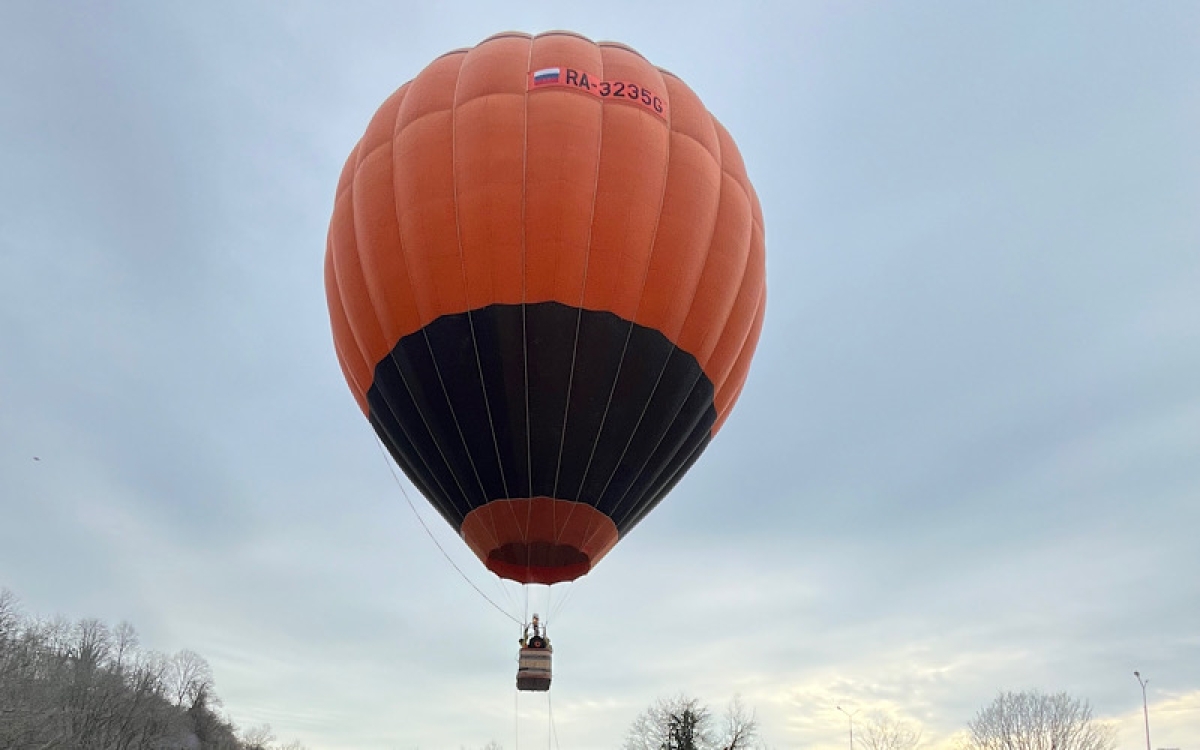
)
(525, 312)
(666, 362)
(629, 332)
(462, 264)
(524, 316)
(553, 729)
(587, 253)
(562, 602)
(436, 543)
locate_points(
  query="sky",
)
(966, 458)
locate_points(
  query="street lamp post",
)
(1145, 710)
(851, 718)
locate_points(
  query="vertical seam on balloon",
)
(675, 346)
(636, 513)
(666, 363)
(745, 270)
(425, 423)
(392, 353)
(390, 145)
(338, 348)
(525, 321)
(462, 262)
(629, 332)
(362, 350)
(747, 340)
(701, 374)
(350, 198)
(558, 531)
(744, 340)
(425, 329)
(744, 267)
(665, 462)
(737, 353)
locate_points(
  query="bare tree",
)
(125, 642)
(881, 731)
(84, 685)
(740, 726)
(1036, 721)
(57, 633)
(10, 615)
(258, 737)
(213, 731)
(679, 723)
(683, 723)
(189, 678)
(92, 645)
(10, 629)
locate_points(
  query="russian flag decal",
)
(546, 75)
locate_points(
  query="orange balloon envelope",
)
(546, 279)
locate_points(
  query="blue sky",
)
(965, 460)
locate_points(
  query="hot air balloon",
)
(545, 274)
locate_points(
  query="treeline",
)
(1029, 720)
(90, 686)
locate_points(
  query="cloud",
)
(964, 461)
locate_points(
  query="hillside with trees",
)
(90, 686)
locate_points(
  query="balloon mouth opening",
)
(538, 562)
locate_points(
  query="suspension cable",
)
(553, 729)
(428, 531)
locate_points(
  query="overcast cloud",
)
(966, 459)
